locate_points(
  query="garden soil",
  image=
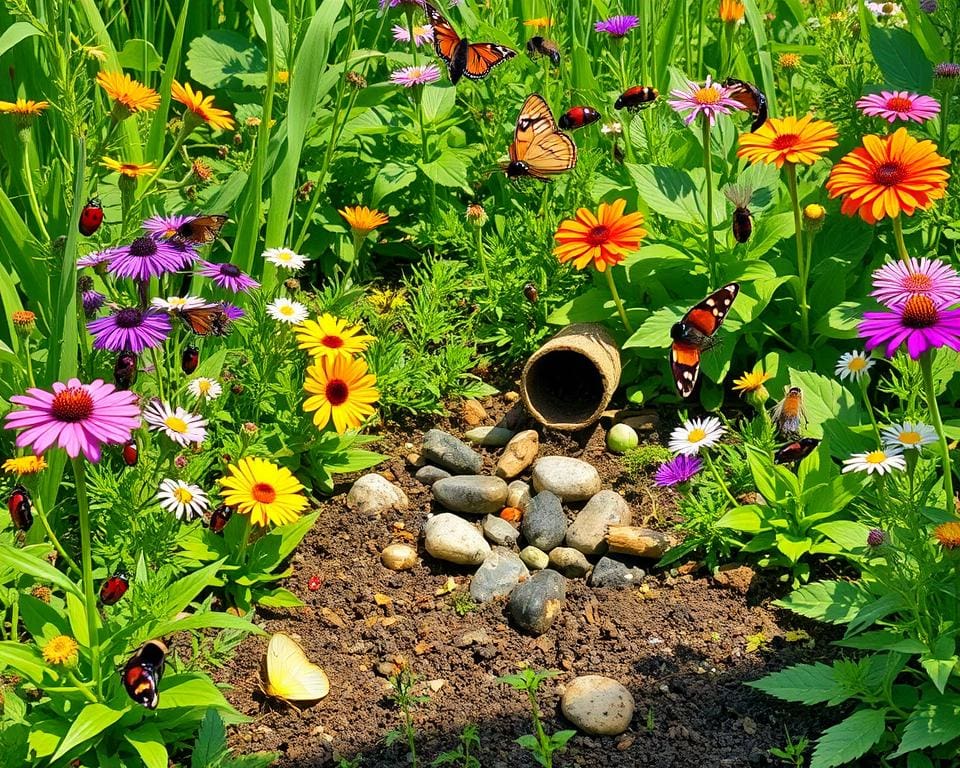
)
(681, 642)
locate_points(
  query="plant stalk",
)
(616, 300)
(708, 167)
(86, 559)
(801, 261)
(926, 366)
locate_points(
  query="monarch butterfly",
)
(541, 46)
(475, 60)
(578, 117)
(751, 98)
(141, 674)
(694, 334)
(290, 675)
(208, 320)
(201, 229)
(539, 148)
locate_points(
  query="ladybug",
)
(125, 370)
(190, 359)
(21, 510)
(313, 584)
(114, 588)
(578, 117)
(636, 97)
(220, 517)
(91, 217)
(131, 453)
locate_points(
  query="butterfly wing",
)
(201, 229)
(685, 365)
(482, 57)
(209, 320)
(538, 142)
(445, 39)
(290, 675)
(693, 333)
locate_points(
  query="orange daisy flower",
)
(363, 220)
(604, 238)
(948, 534)
(788, 140)
(23, 107)
(731, 11)
(129, 95)
(889, 175)
(201, 106)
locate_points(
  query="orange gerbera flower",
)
(887, 175)
(130, 170)
(788, 140)
(948, 534)
(129, 95)
(201, 106)
(731, 11)
(363, 220)
(604, 238)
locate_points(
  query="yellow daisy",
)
(129, 96)
(23, 107)
(751, 382)
(61, 650)
(130, 170)
(330, 336)
(267, 492)
(201, 106)
(343, 390)
(25, 465)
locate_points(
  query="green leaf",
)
(223, 58)
(391, 177)
(186, 589)
(438, 102)
(25, 562)
(136, 53)
(92, 721)
(149, 743)
(847, 533)
(26, 659)
(279, 598)
(836, 602)
(191, 690)
(677, 194)
(883, 640)
(873, 612)
(930, 724)
(45, 735)
(211, 742)
(825, 399)
(654, 333)
(901, 59)
(940, 662)
(849, 739)
(158, 125)
(804, 683)
(77, 613)
(205, 620)
(746, 518)
(16, 33)
(449, 169)
(794, 547)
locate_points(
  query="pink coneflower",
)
(617, 26)
(946, 70)
(421, 34)
(78, 417)
(896, 282)
(98, 257)
(899, 105)
(228, 276)
(918, 322)
(710, 99)
(165, 226)
(411, 76)
(147, 257)
(130, 329)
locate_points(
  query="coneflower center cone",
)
(889, 174)
(707, 96)
(337, 392)
(899, 104)
(920, 312)
(917, 282)
(129, 318)
(230, 270)
(72, 405)
(143, 246)
(598, 235)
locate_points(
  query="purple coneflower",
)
(411, 76)
(228, 276)
(918, 322)
(946, 70)
(421, 34)
(130, 328)
(617, 26)
(98, 257)
(164, 226)
(899, 105)
(680, 469)
(232, 311)
(147, 257)
(710, 99)
(876, 538)
(78, 417)
(896, 282)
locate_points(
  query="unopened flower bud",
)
(813, 216)
(876, 538)
(24, 322)
(476, 215)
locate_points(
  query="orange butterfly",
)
(475, 60)
(201, 229)
(208, 320)
(539, 149)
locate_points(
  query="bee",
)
(538, 46)
(789, 412)
(740, 195)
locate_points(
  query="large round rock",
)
(373, 495)
(450, 453)
(537, 602)
(544, 524)
(471, 494)
(570, 479)
(598, 705)
(451, 538)
(588, 531)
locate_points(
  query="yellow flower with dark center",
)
(363, 220)
(330, 336)
(201, 106)
(948, 534)
(267, 492)
(128, 95)
(25, 465)
(342, 391)
(788, 140)
(731, 11)
(129, 170)
(61, 650)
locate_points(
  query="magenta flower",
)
(946, 70)
(228, 276)
(92, 301)
(130, 329)
(395, 3)
(421, 34)
(164, 227)
(918, 322)
(411, 76)
(96, 258)
(232, 311)
(710, 99)
(896, 282)
(78, 417)
(617, 26)
(899, 105)
(680, 469)
(148, 257)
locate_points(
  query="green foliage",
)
(541, 745)
(460, 757)
(211, 750)
(643, 458)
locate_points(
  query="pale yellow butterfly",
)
(290, 675)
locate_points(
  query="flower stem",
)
(156, 371)
(31, 193)
(482, 254)
(82, 687)
(866, 402)
(616, 300)
(708, 167)
(38, 508)
(801, 261)
(26, 352)
(901, 245)
(719, 478)
(926, 366)
(86, 559)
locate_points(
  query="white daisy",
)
(287, 311)
(615, 128)
(883, 10)
(853, 365)
(285, 258)
(178, 303)
(203, 388)
(184, 500)
(696, 434)
(179, 425)
(880, 461)
(909, 435)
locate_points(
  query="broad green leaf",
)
(848, 534)
(92, 721)
(158, 125)
(186, 589)
(804, 683)
(849, 739)
(746, 519)
(45, 735)
(204, 620)
(940, 662)
(137, 53)
(901, 59)
(279, 598)
(675, 193)
(836, 602)
(16, 33)
(873, 612)
(654, 333)
(883, 640)
(438, 102)
(25, 659)
(794, 547)
(449, 169)
(930, 724)
(391, 177)
(77, 613)
(149, 743)
(26, 562)
(191, 690)
(825, 399)
(222, 58)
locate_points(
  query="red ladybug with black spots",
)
(91, 217)
(578, 117)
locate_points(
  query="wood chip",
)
(333, 617)
(422, 648)
(592, 612)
